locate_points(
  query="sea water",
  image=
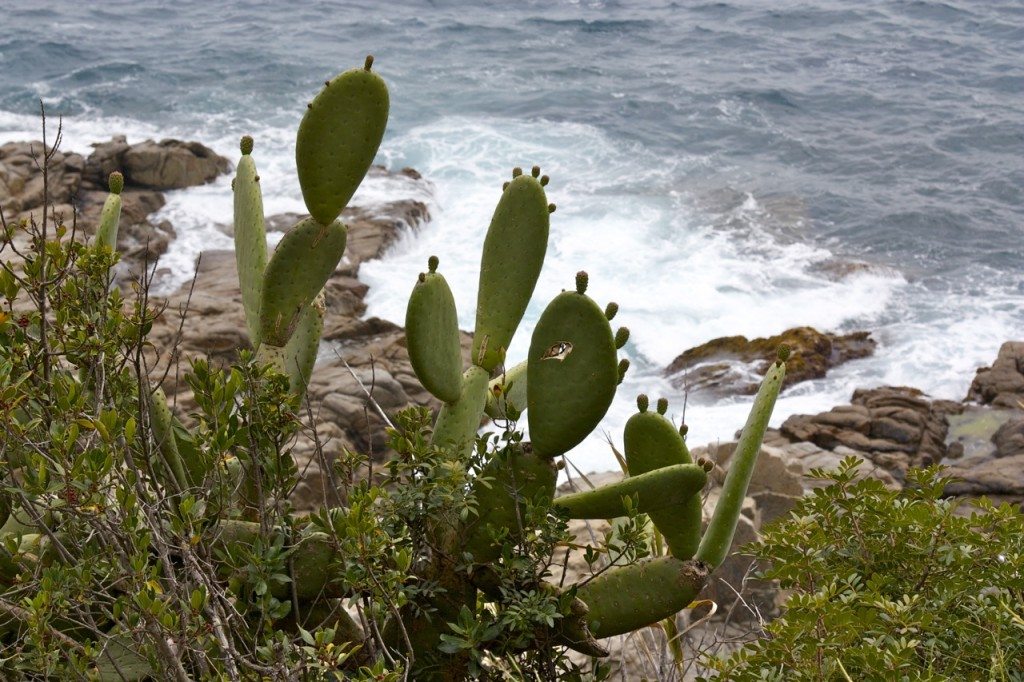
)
(719, 168)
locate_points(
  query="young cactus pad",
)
(572, 372)
(338, 139)
(298, 270)
(106, 234)
(250, 238)
(513, 254)
(714, 546)
(458, 421)
(432, 334)
(651, 444)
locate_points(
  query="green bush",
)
(891, 585)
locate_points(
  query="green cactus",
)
(250, 238)
(110, 216)
(512, 258)
(565, 387)
(572, 371)
(338, 139)
(302, 263)
(432, 331)
(661, 489)
(652, 443)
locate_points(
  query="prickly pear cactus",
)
(564, 387)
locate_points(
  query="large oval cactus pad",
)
(628, 598)
(513, 254)
(572, 373)
(250, 242)
(338, 138)
(432, 333)
(298, 270)
(513, 479)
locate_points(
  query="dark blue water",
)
(728, 154)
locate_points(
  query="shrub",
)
(891, 585)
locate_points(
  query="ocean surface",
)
(719, 168)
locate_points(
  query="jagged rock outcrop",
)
(1002, 384)
(895, 427)
(735, 364)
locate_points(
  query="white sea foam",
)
(681, 273)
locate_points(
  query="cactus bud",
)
(560, 464)
(706, 464)
(544, 180)
(505, 186)
(115, 182)
(783, 352)
(368, 63)
(621, 337)
(246, 144)
(535, 171)
(683, 430)
(642, 402)
(610, 310)
(662, 405)
(432, 263)
(256, 178)
(422, 278)
(623, 366)
(327, 84)
(582, 279)
(516, 172)
(551, 208)
(232, 184)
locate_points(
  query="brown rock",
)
(723, 365)
(895, 427)
(171, 164)
(1009, 438)
(1002, 384)
(1003, 476)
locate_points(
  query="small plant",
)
(891, 585)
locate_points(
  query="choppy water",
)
(711, 161)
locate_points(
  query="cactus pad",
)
(506, 394)
(628, 598)
(432, 333)
(300, 353)
(458, 422)
(658, 489)
(338, 139)
(512, 258)
(298, 270)
(572, 373)
(110, 217)
(250, 239)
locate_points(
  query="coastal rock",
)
(735, 364)
(171, 164)
(895, 427)
(21, 180)
(1002, 384)
(995, 477)
(1009, 438)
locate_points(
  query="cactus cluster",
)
(564, 387)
